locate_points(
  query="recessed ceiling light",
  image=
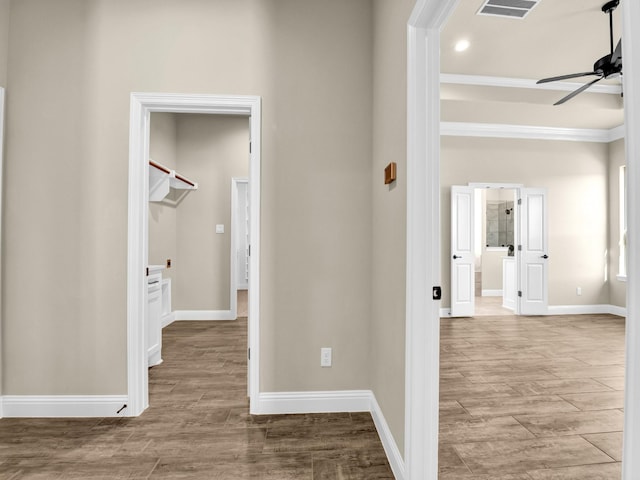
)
(461, 45)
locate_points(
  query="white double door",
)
(531, 252)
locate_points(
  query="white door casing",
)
(534, 258)
(423, 230)
(241, 192)
(462, 251)
(141, 107)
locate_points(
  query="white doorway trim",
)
(1, 182)
(631, 86)
(423, 242)
(236, 218)
(141, 107)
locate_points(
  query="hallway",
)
(197, 427)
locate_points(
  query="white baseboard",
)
(315, 402)
(568, 310)
(272, 403)
(619, 311)
(204, 315)
(586, 309)
(18, 406)
(388, 442)
(491, 293)
(168, 319)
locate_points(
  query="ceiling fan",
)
(608, 66)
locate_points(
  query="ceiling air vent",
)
(508, 8)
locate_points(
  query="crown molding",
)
(506, 82)
(530, 132)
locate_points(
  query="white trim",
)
(423, 262)
(233, 292)
(507, 82)
(617, 310)
(142, 105)
(182, 315)
(279, 403)
(631, 434)
(586, 310)
(621, 278)
(492, 293)
(237, 285)
(276, 403)
(617, 133)
(421, 430)
(2, 115)
(530, 132)
(568, 310)
(168, 319)
(388, 442)
(64, 405)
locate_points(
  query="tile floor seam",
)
(587, 440)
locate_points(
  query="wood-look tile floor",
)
(531, 398)
(197, 427)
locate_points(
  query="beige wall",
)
(4, 51)
(389, 211)
(317, 199)
(575, 175)
(617, 289)
(76, 62)
(212, 149)
(64, 271)
(162, 215)
(4, 40)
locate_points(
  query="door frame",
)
(235, 181)
(141, 107)
(423, 237)
(517, 188)
(2, 115)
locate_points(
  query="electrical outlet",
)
(325, 357)
(168, 263)
(578, 291)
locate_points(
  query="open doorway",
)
(195, 161)
(499, 249)
(495, 251)
(142, 106)
(423, 237)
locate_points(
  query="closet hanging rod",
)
(159, 167)
(185, 180)
(168, 172)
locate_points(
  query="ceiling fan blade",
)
(576, 92)
(565, 77)
(617, 53)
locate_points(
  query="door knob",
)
(544, 256)
(457, 256)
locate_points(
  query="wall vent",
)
(507, 8)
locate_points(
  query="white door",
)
(534, 257)
(462, 255)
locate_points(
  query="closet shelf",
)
(163, 179)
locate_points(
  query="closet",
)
(163, 181)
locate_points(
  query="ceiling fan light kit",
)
(609, 66)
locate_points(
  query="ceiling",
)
(557, 37)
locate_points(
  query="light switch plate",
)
(219, 228)
(325, 357)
